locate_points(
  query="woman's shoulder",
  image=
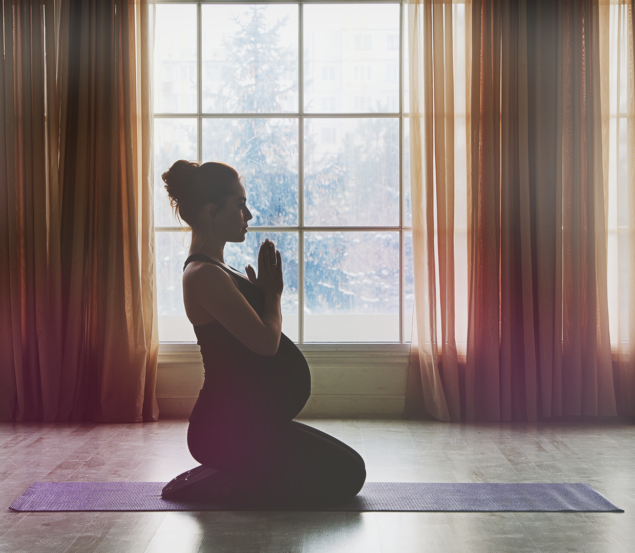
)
(200, 277)
(197, 270)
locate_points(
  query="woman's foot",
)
(199, 484)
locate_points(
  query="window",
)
(364, 72)
(318, 148)
(363, 42)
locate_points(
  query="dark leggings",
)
(279, 465)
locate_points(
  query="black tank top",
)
(239, 382)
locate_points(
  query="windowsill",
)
(169, 352)
(311, 346)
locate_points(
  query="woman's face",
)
(231, 221)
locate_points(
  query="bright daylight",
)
(325, 173)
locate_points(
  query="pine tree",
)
(257, 81)
(265, 150)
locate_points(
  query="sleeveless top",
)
(241, 383)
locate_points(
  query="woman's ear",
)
(210, 211)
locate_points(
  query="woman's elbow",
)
(272, 348)
(268, 346)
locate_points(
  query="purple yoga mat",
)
(374, 496)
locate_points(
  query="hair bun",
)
(190, 186)
(178, 179)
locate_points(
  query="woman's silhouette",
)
(241, 429)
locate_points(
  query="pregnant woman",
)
(241, 431)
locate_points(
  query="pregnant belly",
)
(288, 379)
(246, 385)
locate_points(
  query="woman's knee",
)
(356, 476)
(347, 478)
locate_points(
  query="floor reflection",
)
(275, 531)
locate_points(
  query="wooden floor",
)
(600, 454)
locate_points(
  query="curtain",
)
(538, 328)
(78, 310)
(436, 61)
(619, 125)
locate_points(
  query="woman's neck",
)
(210, 248)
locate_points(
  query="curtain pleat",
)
(587, 377)
(144, 177)
(30, 275)
(543, 129)
(431, 118)
(10, 331)
(79, 306)
(502, 371)
(483, 393)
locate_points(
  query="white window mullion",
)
(301, 174)
(199, 84)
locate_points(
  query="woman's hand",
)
(269, 278)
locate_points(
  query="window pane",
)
(171, 252)
(175, 59)
(174, 139)
(351, 58)
(239, 255)
(351, 171)
(409, 287)
(351, 287)
(405, 171)
(265, 154)
(250, 58)
(405, 69)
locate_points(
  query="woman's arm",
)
(214, 290)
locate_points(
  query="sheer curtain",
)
(437, 120)
(78, 315)
(538, 326)
(619, 122)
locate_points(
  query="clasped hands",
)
(269, 278)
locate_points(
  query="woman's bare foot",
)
(199, 484)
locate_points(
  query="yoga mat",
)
(374, 496)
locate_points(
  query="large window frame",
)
(402, 228)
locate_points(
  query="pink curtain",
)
(538, 331)
(431, 53)
(78, 317)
